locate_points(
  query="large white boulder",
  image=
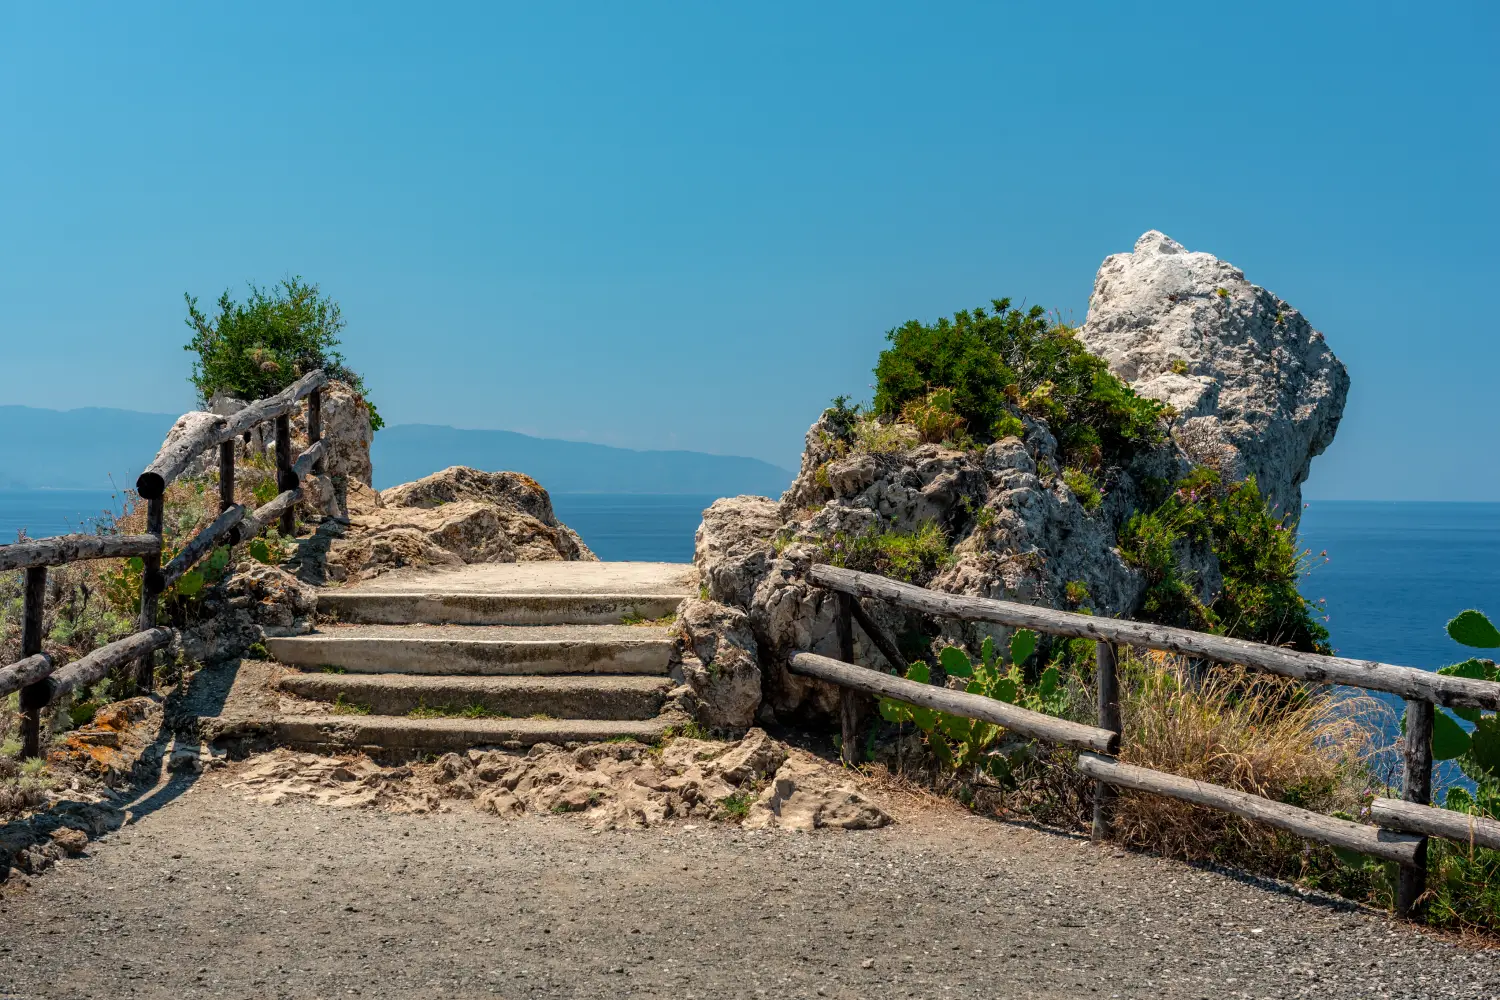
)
(1257, 390)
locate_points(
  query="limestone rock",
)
(1257, 390)
(456, 516)
(733, 546)
(806, 795)
(724, 671)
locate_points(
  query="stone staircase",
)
(506, 654)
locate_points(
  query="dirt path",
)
(214, 896)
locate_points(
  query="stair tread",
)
(399, 732)
(477, 682)
(490, 633)
(538, 578)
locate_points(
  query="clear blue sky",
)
(689, 226)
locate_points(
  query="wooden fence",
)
(40, 679)
(1401, 826)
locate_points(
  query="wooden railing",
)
(38, 678)
(1401, 826)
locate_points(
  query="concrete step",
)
(383, 735)
(493, 609)
(525, 593)
(564, 697)
(481, 649)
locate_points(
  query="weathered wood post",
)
(151, 588)
(33, 696)
(286, 479)
(1416, 786)
(848, 698)
(1107, 680)
(226, 476)
(315, 425)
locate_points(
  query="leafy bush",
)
(1258, 558)
(987, 358)
(257, 348)
(913, 556)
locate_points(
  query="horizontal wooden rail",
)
(1408, 682)
(196, 432)
(220, 531)
(305, 461)
(92, 668)
(256, 521)
(23, 672)
(1384, 844)
(973, 706)
(74, 548)
(1447, 823)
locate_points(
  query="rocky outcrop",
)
(1257, 390)
(251, 603)
(724, 669)
(456, 516)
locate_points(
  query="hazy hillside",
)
(411, 451)
(77, 449)
(80, 449)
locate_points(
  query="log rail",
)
(39, 677)
(1401, 827)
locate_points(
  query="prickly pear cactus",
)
(1477, 751)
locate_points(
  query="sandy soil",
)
(210, 893)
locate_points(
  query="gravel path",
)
(213, 896)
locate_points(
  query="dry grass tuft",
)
(1265, 735)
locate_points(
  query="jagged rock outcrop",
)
(724, 670)
(1257, 390)
(456, 516)
(1262, 396)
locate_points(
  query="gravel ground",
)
(211, 895)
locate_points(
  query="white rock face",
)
(1257, 390)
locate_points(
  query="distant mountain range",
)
(83, 448)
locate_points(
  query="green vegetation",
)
(737, 806)
(1076, 592)
(991, 363)
(342, 706)
(913, 556)
(257, 348)
(1464, 881)
(474, 710)
(967, 745)
(1258, 559)
(1084, 487)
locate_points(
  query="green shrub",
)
(1258, 558)
(913, 556)
(933, 415)
(1076, 591)
(989, 357)
(1009, 425)
(256, 349)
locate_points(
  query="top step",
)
(526, 593)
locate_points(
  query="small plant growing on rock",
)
(1084, 488)
(1008, 425)
(934, 416)
(1179, 366)
(1076, 592)
(913, 556)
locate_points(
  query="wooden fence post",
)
(33, 695)
(286, 479)
(848, 698)
(315, 425)
(226, 476)
(151, 588)
(1108, 683)
(1416, 786)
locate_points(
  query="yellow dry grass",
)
(1265, 735)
